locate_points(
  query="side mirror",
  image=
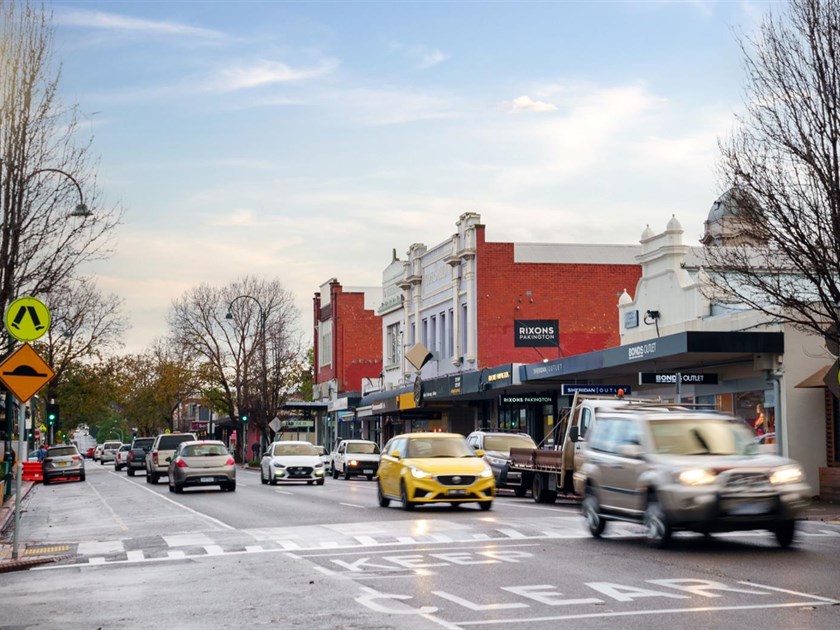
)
(479, 452)
(574, 434)
(630, 450)
(395, 454)
(169, 459)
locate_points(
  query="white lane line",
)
(441, 538)
(213, 550)
(367, 540)
(191, 539)
(180, 505)
(116, 518)
(634, 613)
(134, 556)
(363, 507)
(99, 547)
(406, 540)
(284, 492)
(288, 544)
(789, 592)
(176, 554)
(512, 533)
(96, 560)
(253, 548)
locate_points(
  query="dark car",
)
(63, 462)
(137, 454)
(496, 446)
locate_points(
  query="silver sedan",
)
(202, 463)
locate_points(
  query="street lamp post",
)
(229, 315)
(82, 211)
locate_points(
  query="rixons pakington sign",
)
(536, 333)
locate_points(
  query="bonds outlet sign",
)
(654, 378)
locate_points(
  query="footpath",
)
(825, 511)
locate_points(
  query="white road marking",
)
(214, 550)
(784, 590)
(354, 505)
(176, 554)
(367, 540)
(284, 492)
(134, 556)
(97, 548)
(192, 539)
(512, 533)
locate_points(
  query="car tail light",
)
(77, 458)
(230, 462)
(154, 458)
(180, 463)
(130, 456)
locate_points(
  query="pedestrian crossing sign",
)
(27, 319)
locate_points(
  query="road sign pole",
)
(18, 497)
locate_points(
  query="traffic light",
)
(52, 414)
(244, 417)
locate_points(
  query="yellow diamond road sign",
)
(27, 319)
(24, 373)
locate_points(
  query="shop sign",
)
(527, 399)
(631, 319)
(536, 333)
(594, 389)
(655, 378)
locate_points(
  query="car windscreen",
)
(503, 443)
(168, 442)
(62, 451)
(112, 445)
(701, 437)
(363, 448)
(439, 447)
(203, 450)
(294, 449)
(143, 443)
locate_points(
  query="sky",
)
(305, 141)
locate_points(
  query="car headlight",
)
(319, 465)
(353, 462)
(419, 474)
(791, 474)
(496, 461)
(486, 473)
(279, 466)
(696, 477)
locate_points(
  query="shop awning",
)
(817, 379)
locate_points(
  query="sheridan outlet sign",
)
(654, 378)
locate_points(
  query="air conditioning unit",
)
(764, 361)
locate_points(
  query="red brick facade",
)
(583, 297)
(356, 339)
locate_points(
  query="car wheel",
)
(310, 482)
(231, 486)
(334, 473)
(592, 513)
(154, 478)
(82, 476)
(46, 480)
(383, 500)
(263, 480)
(170, 486)
(320, 482)
(179, 489)
(101, 462)
(148, 477)
(485, 505)
(657, 527)
(130, 472)
(784, 532)
(346, 474)
(520, 491)
(407, 505)
(540, 489)
(369, 477)
(272, 479)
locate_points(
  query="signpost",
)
(23, 373)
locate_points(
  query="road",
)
(299, 556)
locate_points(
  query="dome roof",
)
(730, 204)
(673, 224)
(648, 233)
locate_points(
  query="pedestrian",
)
(760, 422)
(42, 452)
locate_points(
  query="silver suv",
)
(496, 446)
(686, 470)
(161, 451)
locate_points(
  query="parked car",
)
(355, 457)
(109, 451)
(683, 470)
(137, 454)
(496, 446)
(420, 468)
(89, 453)
(63, 461)
(324, 455)
(201, 463)
(97, 452)
(162, 449)
(121, 458)
(292, 460)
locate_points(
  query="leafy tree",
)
(780, 251)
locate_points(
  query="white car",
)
(292, 460)
(121, 459)
(109, 452)
(355, 457)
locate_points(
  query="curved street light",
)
(80, 211)
(229, 315)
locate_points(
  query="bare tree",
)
(45, 172)
(251, 376)
(780, 253)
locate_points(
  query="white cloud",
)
(431, 58)
(527, 104)
(115, 22)
(263, 73)
(422, 57)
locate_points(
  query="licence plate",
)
(208, 479)
(750, 508)
(368, 471)
(456, 493)
(62, 464)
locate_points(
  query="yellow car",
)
(418, 468)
